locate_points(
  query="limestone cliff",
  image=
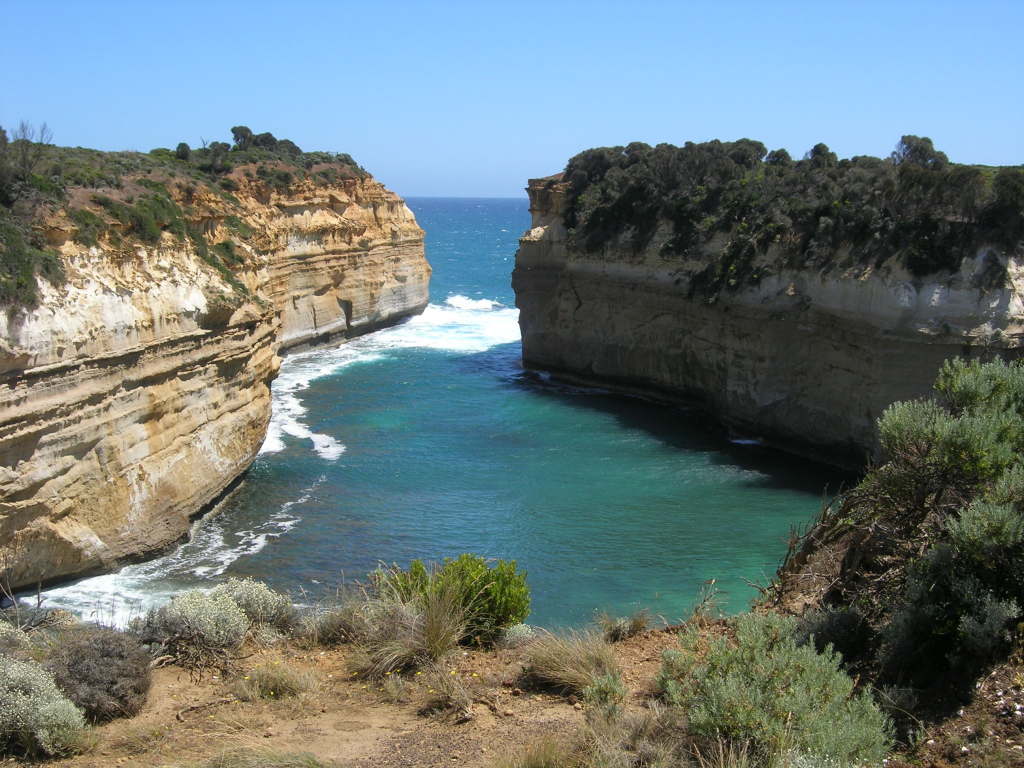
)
(804, 358)
(138, 389)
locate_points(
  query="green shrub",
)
(21, 260)
(738, 211)
(569, 663)
(196, 628)
(606, 695)
(35, 718)
(493, 594)
(260, 603)
(764, 690)
(103, 671)
(952, 619)
(88, 226)
(844, 629)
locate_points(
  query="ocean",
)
(429, 439)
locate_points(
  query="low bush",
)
(36, 719)
(197, 629)
(950, 618)
(103, 671)
(515, 636)
(763, 690)
(605, 696)
(569, 663)
(618, 628)
(493, 594)
(844, 629)
(13, 642)
(344, 621)
(260, 603)
(272, 681)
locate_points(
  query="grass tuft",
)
(569, 663)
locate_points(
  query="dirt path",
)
(351, 722)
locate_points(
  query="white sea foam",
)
(117, 598)
(461, 324)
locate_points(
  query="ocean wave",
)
(460, 324)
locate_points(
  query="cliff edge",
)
(137, 368)
(680, 283)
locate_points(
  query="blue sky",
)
(473, 98)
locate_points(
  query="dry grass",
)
(569, 663)
(618, 628)
(546, 752)
(654, 738)
(404, 635)
(447, 695)
(722, 754)
(260, 758)
(272, 681)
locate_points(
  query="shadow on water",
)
(684, 429)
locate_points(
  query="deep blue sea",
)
(429, 439)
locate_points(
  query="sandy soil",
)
(350, 722)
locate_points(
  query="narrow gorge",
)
(706, 275)
(137, 381)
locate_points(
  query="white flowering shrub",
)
(516, 635)
(196, 628)
(12, 640)
(36, 719)
(259, 602)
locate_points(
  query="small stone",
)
(508, 713)
(577, 706)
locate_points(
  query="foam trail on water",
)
(116, 598)
(461, 324)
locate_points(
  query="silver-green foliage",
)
(763, 689)
(260, 603)
(35, 718)
(197, 628)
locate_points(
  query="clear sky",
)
(473, 98)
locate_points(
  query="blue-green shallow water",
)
(429, 439)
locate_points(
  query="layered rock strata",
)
(805, 360)
(137, 392)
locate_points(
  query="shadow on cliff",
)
(685, 429)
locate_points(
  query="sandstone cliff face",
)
(805, 360)
(139, 390)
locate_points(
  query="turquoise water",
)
(429, 439)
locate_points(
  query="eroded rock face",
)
(137, 392)
(805, 360)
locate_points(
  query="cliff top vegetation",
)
(124, 197)
(764, 210)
